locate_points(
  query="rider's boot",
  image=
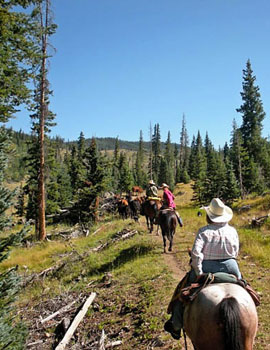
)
(175, 324)
(180, 221)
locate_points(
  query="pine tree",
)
(169, 159)
(184, 150)
(252, 114)
(81, 146)
(231, 191)
(12, 334)
(199, 169)
(93, 186)
(74, 168)
(140, 176)
(192, 158)
(20, 205)
(176, 162)
(58, 183)
(17, 53)
(200, 159)
(44, 29)
(156, 146)
(163, 171)
(126, 180)
(150, 160)
(239, 158)
(115, 166)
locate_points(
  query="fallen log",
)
(244, 208)
(119, 236)
(60, 311)
(43, 273)
(75, 323)
(113, 344)
(259, 220)
(102, 341)
(35, 343)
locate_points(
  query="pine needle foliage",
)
(12, 334)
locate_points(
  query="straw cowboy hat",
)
(218, 212)
(151, 182)
(164, 185)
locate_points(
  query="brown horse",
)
(149, 209)
(168, 221)
(137, 190)
(223, 316)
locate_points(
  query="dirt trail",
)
(171, 260)
(177, 272)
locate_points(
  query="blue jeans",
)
(226, 265)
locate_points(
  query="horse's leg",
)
(151, 225)
(164, 242)
(171, 239)
(147, 223)
(157, 230)
(171, 242)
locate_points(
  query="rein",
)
(185, 339)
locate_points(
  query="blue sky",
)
(123, 64)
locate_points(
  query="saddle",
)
(187, 293)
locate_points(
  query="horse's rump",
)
(222, 316)
(168, 221)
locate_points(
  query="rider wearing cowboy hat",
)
(152, 195)
(151, 190)
(215, 249)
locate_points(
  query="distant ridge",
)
(103, 143)
(108, 143)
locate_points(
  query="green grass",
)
(257, 245)
(142, 283)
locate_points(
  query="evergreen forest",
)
(54, 176)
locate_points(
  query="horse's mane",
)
(229, 313)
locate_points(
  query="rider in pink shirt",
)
(168, 197)
(168, 201)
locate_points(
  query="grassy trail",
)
(133, 280)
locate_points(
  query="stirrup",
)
(168, 327)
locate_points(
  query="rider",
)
(168, 202)
(152, 195)
(215, 249)
(151, 190)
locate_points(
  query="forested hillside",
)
(47, 182)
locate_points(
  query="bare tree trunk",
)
(43, 110)
(151, 153)
(240, 169)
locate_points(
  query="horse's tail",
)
(230, 317)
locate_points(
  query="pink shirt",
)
(168, 198)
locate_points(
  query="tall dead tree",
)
(46, 28)
(41, 186)
(150, 165)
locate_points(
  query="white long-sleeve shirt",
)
(214, 242)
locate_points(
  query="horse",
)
(123, 208)
(223, 316)
(137, 189)
(135, 208)
(149, 211)
(168, 221)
